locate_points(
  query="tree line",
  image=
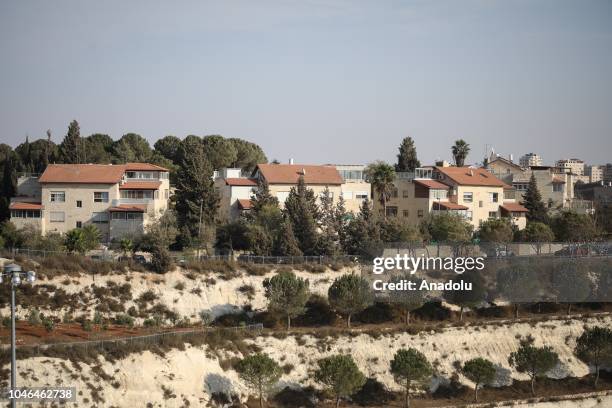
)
(341, 378)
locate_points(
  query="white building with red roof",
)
(119, 199)
(473, 193)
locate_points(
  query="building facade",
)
(118, 199)
(236, 188)
(473, 193)
(530, 159)
(575, 166)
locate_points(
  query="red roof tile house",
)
(119, 199)
(473, 193)
(236, 189)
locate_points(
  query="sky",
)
(319, 81)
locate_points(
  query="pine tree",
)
(407, 157)
(262, 197)
(196, 197)
(532, 200)
(70, 147)
(286, 244)
(301, 210)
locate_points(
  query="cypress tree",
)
(196, 197)
(301, 210)
(407, 157)
(70, 147)
(286, 244)
(532, 200)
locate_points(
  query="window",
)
(480, 203)
(79, 204)
(79, 224)
(127, 216)
(406, 213)
(438, 194)
(147, 175)
(361, 195)
(420, 213)
(99, 218)
(405, 193)
(57, 216)
(100, 197)
(492, 214)
(468, 197)
(137, 194)
(25, 213)
(521, 187)
(493, 197)
(557, 188)
(394, 193)
(58, 196)
(391, 211)
(469, 215)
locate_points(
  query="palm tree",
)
(460, 151)
(381, 176)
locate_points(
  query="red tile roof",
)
(244, 203)
(290, 174)
(432, 184)
(513, 207)
(469, 176)
(448, 206)
(140, 185)
(558, 180)
(26, 206)
(240, 182)
(129, 208)
(92, 173)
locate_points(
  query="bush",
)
(373, 393)
(317, 313)
(379, 312)
(124, 320)
(49, 324)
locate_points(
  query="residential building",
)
(502, 168)
(576, 166)
(530, 159)
(595, 173)
(607, 173)
(556, 184)
(119, 199)
(473, 193)
(236, 189)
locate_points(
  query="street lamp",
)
(14, 273)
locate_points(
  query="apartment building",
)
(236, 188)
(556, 184)
(118, 199)
(576, 166)
(595, 173)
(473, 193)
(530, 159)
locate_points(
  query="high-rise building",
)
(530, 159)
(576, 166)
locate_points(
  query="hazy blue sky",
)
(317, 80)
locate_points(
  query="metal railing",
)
(147, 338)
